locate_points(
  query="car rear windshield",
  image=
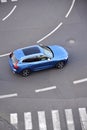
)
(14, 60)
(31, 50)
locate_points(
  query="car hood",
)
(59, 52)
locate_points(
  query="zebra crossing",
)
(4, 1)
(55, 115)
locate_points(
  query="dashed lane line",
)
(72, 5)
(60, 24)
(8, 96)
(9, 13)
(50, 33)
(80, 81)
(5, 54)
(45, 89)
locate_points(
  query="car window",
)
(42, 58)
(32, 59)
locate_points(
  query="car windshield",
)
(47, 51)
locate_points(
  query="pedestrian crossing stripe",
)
(14, 0)
(56, 120)
(83, 118)
(42, 123)
(42, 120)
(28, 121)
(14, 119)
(3, 1)
(69, 119)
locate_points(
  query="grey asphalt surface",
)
(5, 125)
(31, 21)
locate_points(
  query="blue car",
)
(37, 57)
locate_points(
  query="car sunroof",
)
(31, 50)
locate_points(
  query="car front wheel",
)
(25, 72)
(60, 64)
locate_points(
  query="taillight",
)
(15, 65)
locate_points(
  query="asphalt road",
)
(29, 22)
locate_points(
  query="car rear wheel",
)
(25, 72)
(60, 64)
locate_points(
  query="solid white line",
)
(42, 120)
(8, 96)
(28, 121)
(45, 89)
(56, 120)
(69, 119)
(9, 13)
(14, 119)
(73, 2)
(50, 33)
(80, 81)
(5, 54)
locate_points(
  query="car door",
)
(38, 63)
(33, 63)
(42, 62)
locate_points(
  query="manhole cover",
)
(71, 41)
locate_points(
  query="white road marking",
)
(28, 121)
(14, 119)
(69, 119)
(5, 54)
(83, 118)
(73, 2)
(3, 1)
(80, 81)
(56, 120)
(14, 0)
(9, 13)
(72, 5)
(8, 96)
(71, 41)
(45, 89)
(42, 120)
(50, 33)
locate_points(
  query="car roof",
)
(29, 51)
